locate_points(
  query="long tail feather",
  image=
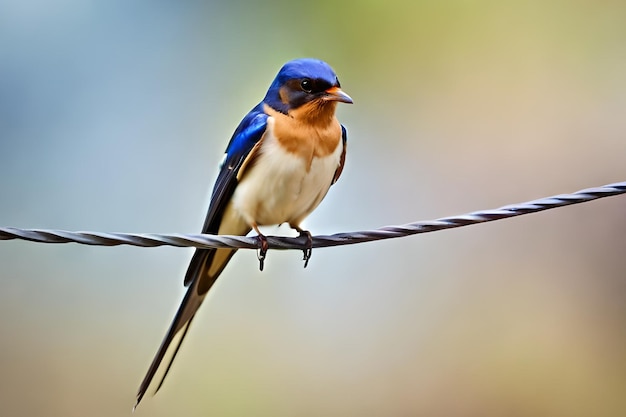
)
(191, 302)
(169, 365)
(205, 267)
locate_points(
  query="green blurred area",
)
(114, 116)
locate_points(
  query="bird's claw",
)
(308, 246)
(263, 247)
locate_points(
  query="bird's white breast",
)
(281, 186)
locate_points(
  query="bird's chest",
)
(284, 184)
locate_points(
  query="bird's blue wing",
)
(246, 136)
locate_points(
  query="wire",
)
(339, 239)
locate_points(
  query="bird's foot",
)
(308, 246)
(263, 247)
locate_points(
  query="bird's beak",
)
(336, 94)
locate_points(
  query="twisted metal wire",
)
(275, 242)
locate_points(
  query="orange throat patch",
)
(310, 131)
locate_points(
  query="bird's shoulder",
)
(248, 133)
(240, 147)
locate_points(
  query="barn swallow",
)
(279, 164)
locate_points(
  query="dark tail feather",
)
(155, 366)
(200, 277)
(182, 320)
(169, 365)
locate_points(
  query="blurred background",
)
(115, 114)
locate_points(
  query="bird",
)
(279, 164)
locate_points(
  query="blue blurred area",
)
(114, 116)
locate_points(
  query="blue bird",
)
(279, 164)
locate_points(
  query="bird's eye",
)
(306, 85)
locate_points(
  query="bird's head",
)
(306, 88)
